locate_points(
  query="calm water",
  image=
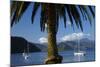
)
(39, 57)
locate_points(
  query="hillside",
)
(19, 44)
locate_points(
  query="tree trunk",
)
(53, 56)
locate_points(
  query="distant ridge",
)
(19, 44)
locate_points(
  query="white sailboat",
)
(79, 52)
(25, 54)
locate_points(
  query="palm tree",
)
(50, 15)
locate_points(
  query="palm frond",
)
(92, 11)
(83, 13)
(35, 8)
(57, 17)
(64, 16)
(43, 18)
(15, 14)
(88, 16)
(21, 7)
(62, 13)
(13, 7)
(74, 14)
(73, 11)
(69, 14)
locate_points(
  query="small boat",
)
(79, 52)
(25, 54)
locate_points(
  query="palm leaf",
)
(61, 13)
(15, 14)
(92, 11)
(72, 10)
(43, 17)
(21, 7)
(13, 7)
(84, 8)
(83, 13)
(69, 14)
(57, 19)
(35, 8)
(74, 14)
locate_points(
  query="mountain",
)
(66, 45)
(42, 47)
(84, 43)
(19, 44)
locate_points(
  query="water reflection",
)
(79, 58)
(38, 58)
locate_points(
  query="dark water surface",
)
(39, 58)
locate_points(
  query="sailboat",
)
(79, 52)
(25, 54)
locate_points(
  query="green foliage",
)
(74, 13)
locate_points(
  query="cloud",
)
(43, 40)
(70, 37)
(68, 22)
(74, 36)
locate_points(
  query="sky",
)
(32, 33)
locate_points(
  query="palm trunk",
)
(53, 56)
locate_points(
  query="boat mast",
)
(27, 48)
(78, 45)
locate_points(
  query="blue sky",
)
(32, 32)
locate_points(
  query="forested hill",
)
(19, 45)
